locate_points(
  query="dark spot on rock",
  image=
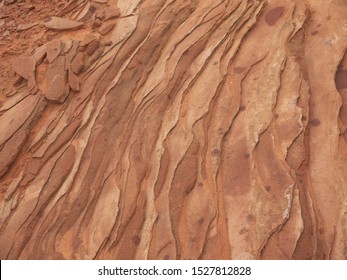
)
(298, 58)
(276, 116)
(319, 25)
(246, 156)
(274, 15)
(242, 108)
(303, 118)
(321, 230)
(92, 9)
(215, 152)
(315, 122)
(200, 184)
(92, 47)
(268, 188)
(238, 70)
(40, 213)
(328, 17)
(243, 231)
(186, 52)
(81, 48)
(341, 79)
(250, 218)
(215, 63)
(97, 23)
(201, 220)
(166, 257)
(314, 33)
(136, 239)
(108, 43)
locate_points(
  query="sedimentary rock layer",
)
(173, 129)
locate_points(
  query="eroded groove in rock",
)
(173, 129)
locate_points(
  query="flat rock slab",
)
(111, 13)
(57, 23)
(55, 80)
(106, 28)
(74, 81)
(78, 64)
(53, 50)
(24, 66)
(26, 26)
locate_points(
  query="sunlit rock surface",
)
(173, 129)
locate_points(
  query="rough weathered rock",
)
(200, 130)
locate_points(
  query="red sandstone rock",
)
(111, 13)
(77, 64)
(53, 49)
(25, 67)
(55, 81)
(106, 28)
(200, 130)
(22, 27)
(57, 23)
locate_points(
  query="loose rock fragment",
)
(68, 46)
(40, 54)
(23, 26)
(100, 1)
(111, 13)
(57, 23)
(53, 50)
(78, 64)
(89, 38)
(55, 80)
(106, 28)
(74, 82)
(25, 67)
(92, 46)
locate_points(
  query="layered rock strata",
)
(173, 129)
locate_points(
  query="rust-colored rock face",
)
(173, 129)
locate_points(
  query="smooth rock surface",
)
(57, 23)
